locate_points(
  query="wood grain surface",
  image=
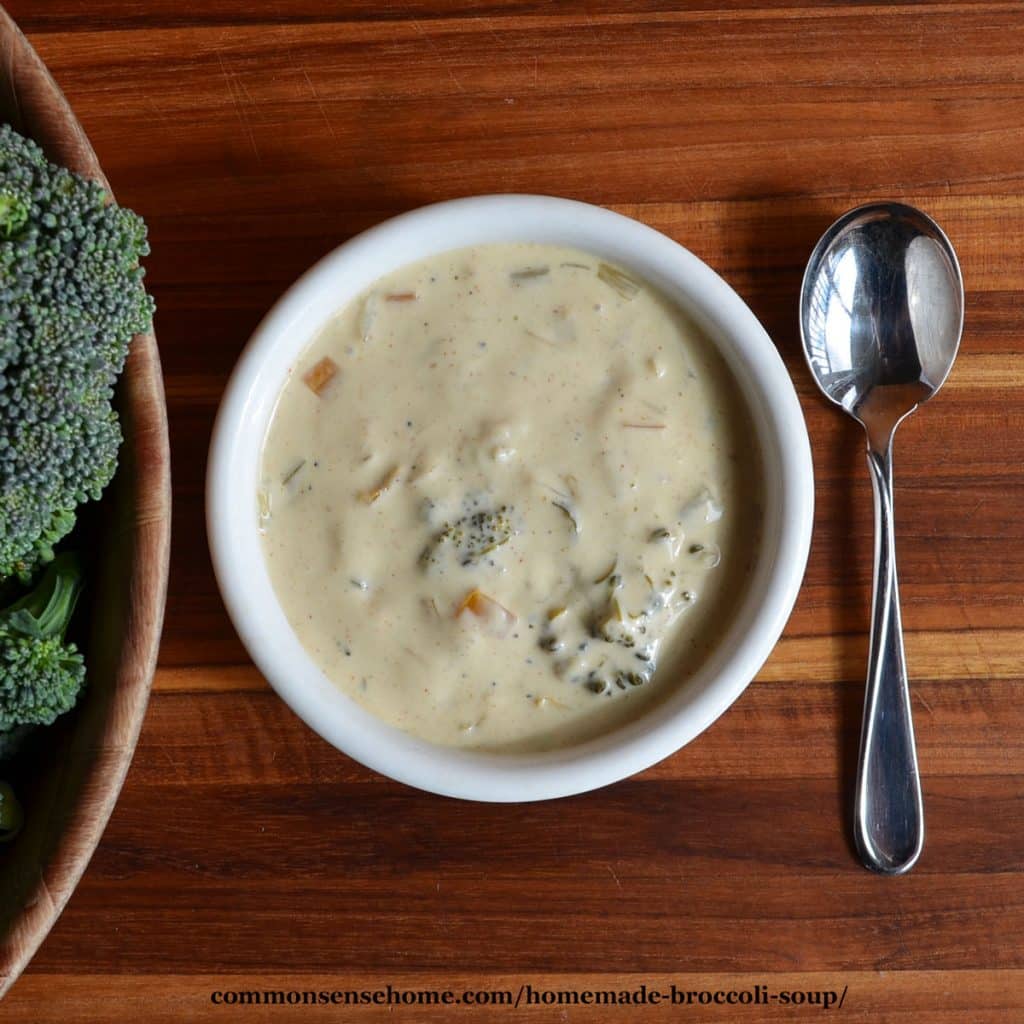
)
(69, 783)
(247, 855)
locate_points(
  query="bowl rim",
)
(237, 440)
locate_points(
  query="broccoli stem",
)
(47, 610)
(41, 675)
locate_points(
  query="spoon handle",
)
(889, 815)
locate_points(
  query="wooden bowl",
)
(68, 783)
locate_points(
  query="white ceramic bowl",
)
(233, 472)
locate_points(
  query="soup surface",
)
(508, 497)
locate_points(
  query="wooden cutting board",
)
(245, 855)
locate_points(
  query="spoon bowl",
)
(882, 312)
(881, 316)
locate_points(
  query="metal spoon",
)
(881, 314)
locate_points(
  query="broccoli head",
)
(41, 674)
(71, 299)
(470, 539)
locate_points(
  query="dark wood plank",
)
(872, 997)
(708, 875)
(241, 736)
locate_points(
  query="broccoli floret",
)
(41, 674)
(470, 538)
(13, 214)
(71, 299)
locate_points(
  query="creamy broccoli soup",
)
(508, 497)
